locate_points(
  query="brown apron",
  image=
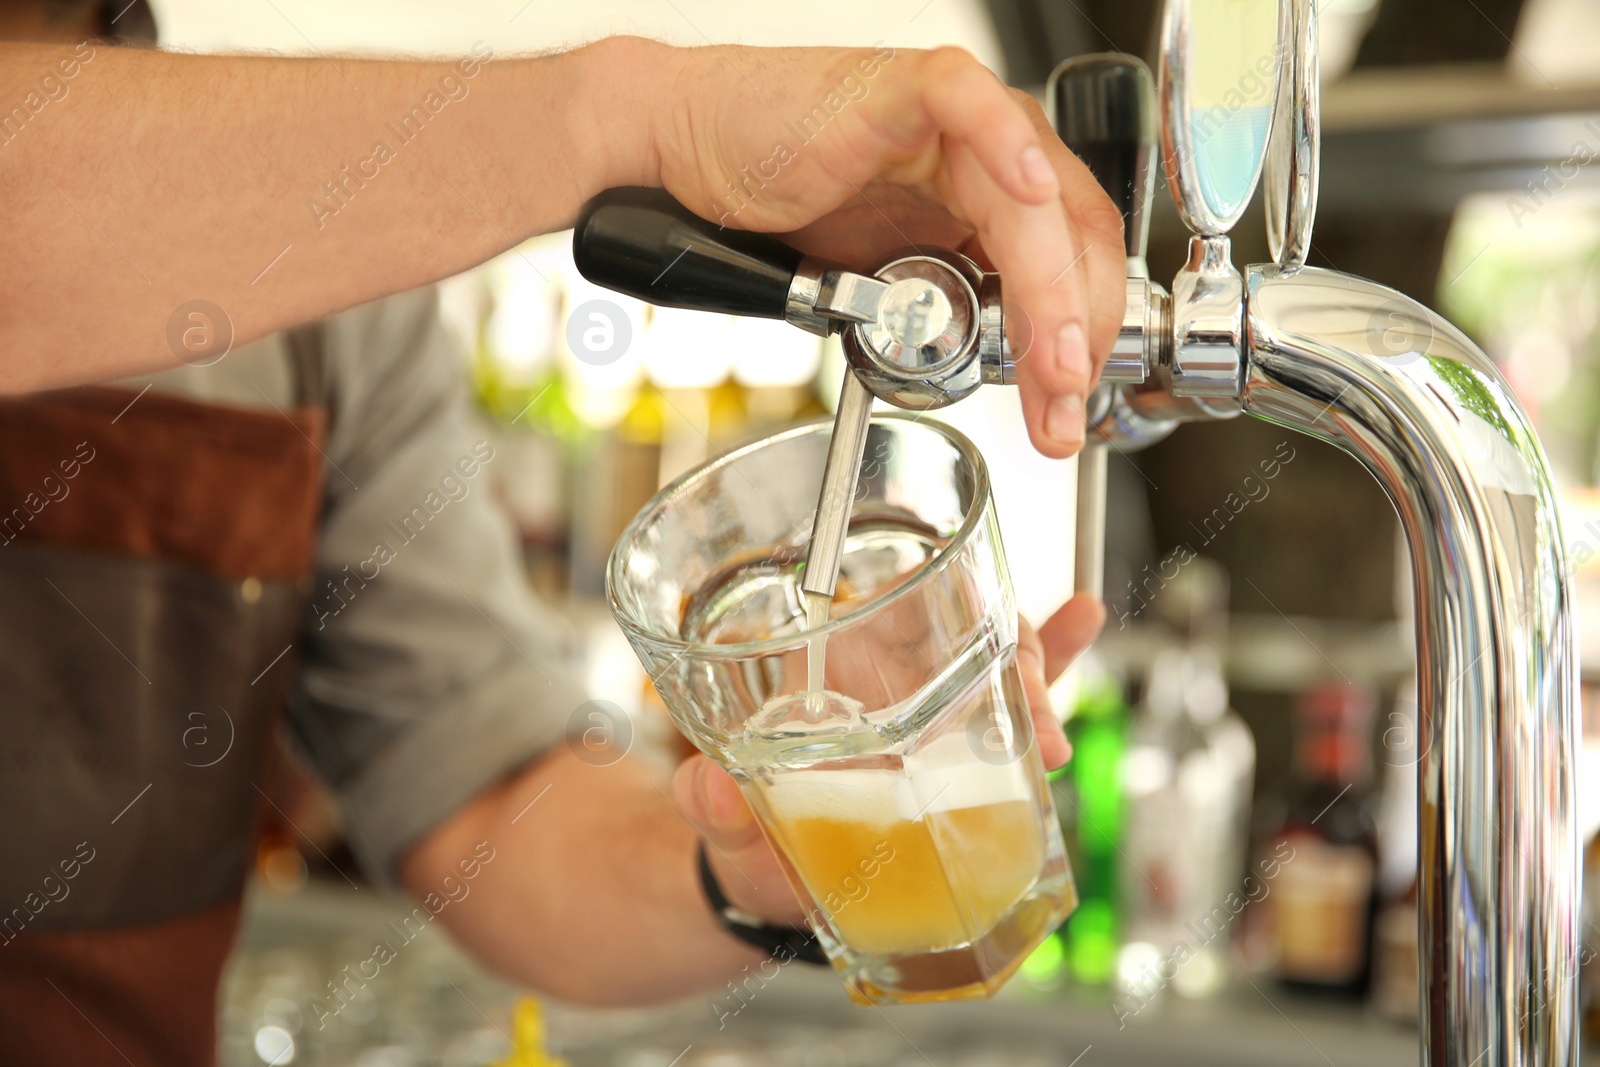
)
(154, 565)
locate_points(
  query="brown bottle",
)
(1321, 903)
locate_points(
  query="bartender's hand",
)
(746, 868)
(910, 147)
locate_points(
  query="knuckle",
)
(950, 57)
(1031, 108)
(953, 69)
(1100, 221)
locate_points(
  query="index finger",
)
(1062, 266)
(990, 167)
(963, 100)
(1049, 229)
(1043, 273)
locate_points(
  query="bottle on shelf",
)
(775, 370)
(522, 394)
(1321, 906)
(1187, 778)
(728, 415)
(1394, 958)
(1088, 799)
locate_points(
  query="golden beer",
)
(927, 884)
(920, 859)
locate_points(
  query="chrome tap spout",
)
(1408, 395)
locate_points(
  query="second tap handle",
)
(644, 243)
(1105, 111)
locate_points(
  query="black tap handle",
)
(1105, 109)
(644, 243)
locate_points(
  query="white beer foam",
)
(948, 776)
(876, 797)
(944, 776)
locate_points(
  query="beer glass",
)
(903, 792)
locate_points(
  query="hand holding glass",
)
(905, 797)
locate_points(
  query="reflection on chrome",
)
(1384, 379)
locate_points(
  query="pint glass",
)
(905, 798)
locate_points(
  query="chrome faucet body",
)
(1392, 384)
(1440, 430)
(1387, 381)
(1384, 379)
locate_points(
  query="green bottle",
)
(1089, 800)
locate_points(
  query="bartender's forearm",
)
(158, 179)
(592, 896)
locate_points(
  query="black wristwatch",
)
(780, 942)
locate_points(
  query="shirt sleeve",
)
(430, 670)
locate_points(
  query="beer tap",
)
(921, 331)
(1391, 383)
(1308, 349)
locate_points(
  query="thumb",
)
(710, 799)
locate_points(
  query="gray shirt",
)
(430, 671)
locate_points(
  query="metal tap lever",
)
(1105, 112)
(922, 331)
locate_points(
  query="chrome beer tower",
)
(1386, 380)
(1343, 359)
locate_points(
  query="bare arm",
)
(592, 895)
(157, 180)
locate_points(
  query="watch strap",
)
(780, 942)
